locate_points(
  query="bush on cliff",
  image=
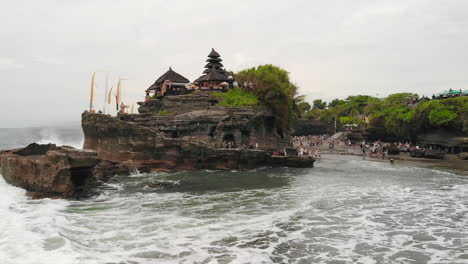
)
(236, 98)
(273, 88)
(164, 113)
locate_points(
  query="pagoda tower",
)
(214, 63)
(214, 75)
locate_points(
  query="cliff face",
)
(146, 148)
(196, 116)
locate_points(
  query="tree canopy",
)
(273, 88)
(395, 116)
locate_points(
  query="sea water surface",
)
(342, 211)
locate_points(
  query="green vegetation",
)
(273, 88)
(237, 97)
(394, 117)
(164, 113)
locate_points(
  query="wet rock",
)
(463, 155)
(35, 149)
(50, 171)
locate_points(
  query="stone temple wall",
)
(178, 104)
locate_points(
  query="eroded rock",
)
(50, 171)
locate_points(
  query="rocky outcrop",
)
(178, 104)
(49, 170)
(197, 116)
(145, 148)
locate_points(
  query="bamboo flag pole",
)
(91, 99)
(132, 107)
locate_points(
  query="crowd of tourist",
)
(310, 145)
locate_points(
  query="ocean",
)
(345, 210)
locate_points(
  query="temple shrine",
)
(214, 77)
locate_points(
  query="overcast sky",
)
(50, 48)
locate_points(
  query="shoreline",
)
(456, 166)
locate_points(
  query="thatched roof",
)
(213, 64)
(169, 75)
(214, 54)
(214, 59)
(213, 75)
(213, 69)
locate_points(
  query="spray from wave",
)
(21, 137)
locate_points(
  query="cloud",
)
(332, 48)
(9, 64)
(48, 60)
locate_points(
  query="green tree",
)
(319, 104)
(335, 103)
(273, 88)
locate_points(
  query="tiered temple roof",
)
(171, 76)
(214, 70)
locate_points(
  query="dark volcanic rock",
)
(50, 171)
(36, 149)
(145, 148)
(197, 116)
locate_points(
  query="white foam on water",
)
(59, 142)
(348, 211)
(28, 229)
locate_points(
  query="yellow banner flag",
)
(109, 97)
(91, 99)
(118, 93)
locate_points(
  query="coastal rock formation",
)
(197, 116)
(145, 148)
(50, 170)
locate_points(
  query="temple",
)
(170, 82)
(214, 76)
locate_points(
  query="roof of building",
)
(214, 54)
(213, 69)
(213, 75)
(169, 75)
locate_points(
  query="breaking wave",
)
(342, 211)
